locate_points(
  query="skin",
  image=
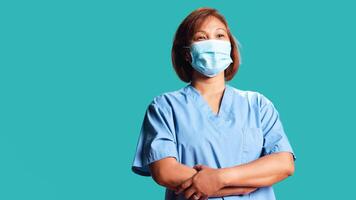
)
(236, 180)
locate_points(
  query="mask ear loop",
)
(239, 47)
(186, 47)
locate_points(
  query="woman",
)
(209, 139)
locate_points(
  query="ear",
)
(187, 56)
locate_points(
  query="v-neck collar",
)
(202, 104)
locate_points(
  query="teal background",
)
(77, 76)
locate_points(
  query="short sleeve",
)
(275, 139)
(156, 140)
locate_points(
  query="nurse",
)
(208, 139)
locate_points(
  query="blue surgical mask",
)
(210, 57)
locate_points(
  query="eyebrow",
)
(221, 29)
(216, 29)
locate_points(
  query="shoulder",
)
(253, 97)
(167, 99)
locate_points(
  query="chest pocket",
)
(252, 144)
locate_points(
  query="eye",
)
(221, 35)
(199, 37)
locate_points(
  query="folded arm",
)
(171, 174)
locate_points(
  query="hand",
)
(203, 184)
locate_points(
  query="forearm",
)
(228, 191)
(172, 175)
(262, 172)
(178, 175)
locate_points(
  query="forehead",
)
(210, 23)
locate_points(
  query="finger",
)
(184, 186)
(189, 192)
(195, 196)
(198, 167)
(201, 167)
(203, 197)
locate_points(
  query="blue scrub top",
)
(181, 124)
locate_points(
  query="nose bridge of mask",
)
(218, 46)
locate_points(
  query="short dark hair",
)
(185, 33)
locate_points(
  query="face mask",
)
(210, 57)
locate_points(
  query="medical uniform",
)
(181, 124)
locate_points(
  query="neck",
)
(209, 85)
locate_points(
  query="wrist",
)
(223, 174)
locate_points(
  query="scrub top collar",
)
(201, 103)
